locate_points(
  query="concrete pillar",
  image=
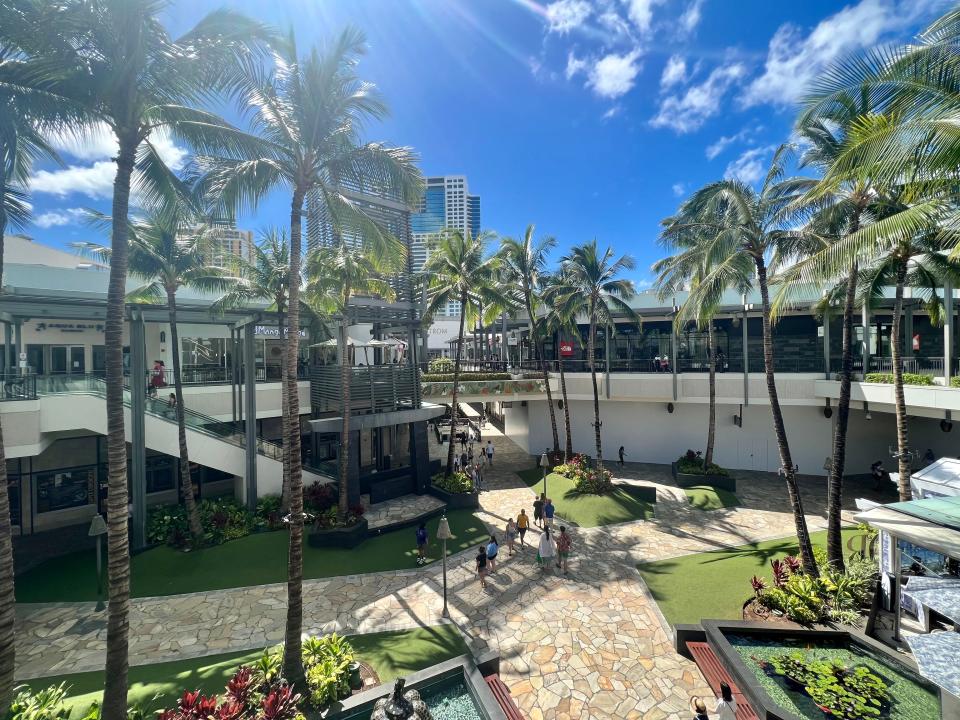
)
(947, 332)
(865, 340)
(826, 345)
(606, 355)
(18, 343)
(746, 356)
(138, 438)
(250, 380)
(7, 342)
(420, 456)
(353, 469)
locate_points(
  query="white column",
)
(947, 331)
(865, 342)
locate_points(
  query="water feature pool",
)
(448, 699)
(912, 697)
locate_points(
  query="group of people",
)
(725, 709)
(549, 549)
(661, 364)
(543, 512)
(465, 462)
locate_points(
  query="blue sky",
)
(588, 119)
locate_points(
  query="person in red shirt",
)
(563, 548)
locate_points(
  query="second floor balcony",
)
(373, 388)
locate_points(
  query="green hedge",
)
(955, 381)
(908, 378)
(465, 376)
(458, 482)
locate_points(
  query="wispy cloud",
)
(687, 112)
(566, 15)
(612, 112)
(691, 17)
(674, 72)
(640, 13)
(679, 189)
(724, 141)
(614, 74)
(750, 166)
(59, 217)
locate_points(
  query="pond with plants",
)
(835, 679)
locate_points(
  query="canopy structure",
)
(940, 478)
(936, 655)
(932, 523)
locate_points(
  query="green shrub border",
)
(908, 378)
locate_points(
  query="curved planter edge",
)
(456, 501)
(348, 537)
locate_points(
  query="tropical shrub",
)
(908, 378)
(441, 365)
(222, 519)
(849, 693)
(327, 661)
(458, 482)
(269, 515)
(574, 466)
(465, 376)
(330, 518)
(45, 704)
(594, 482)
(691, 463)
(955, 381)
(320, 497)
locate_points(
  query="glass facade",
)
(473, 203)
(431, 215)
(63, 489)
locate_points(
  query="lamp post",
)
(444, 534)
(98, 528)
(544, 463)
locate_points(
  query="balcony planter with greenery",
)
(908, 378)
(689, 471)
(456, 491)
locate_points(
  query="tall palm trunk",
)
(786, 461)
(712, 382)
(118, 544)
(835, 482)
(456, 384)
(568, 445)
(346, 383)
(7, 599)
(903, 441)
(186, 482)
(591, 344)
(292, 662)
(284, 425)
(538, 348)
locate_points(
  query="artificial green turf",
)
(625, 503)
(705, 497)
(714, 585)
(153, 687)
(257, 559)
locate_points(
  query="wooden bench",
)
(714, 673)
(502, 693)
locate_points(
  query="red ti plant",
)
(280, 704)
(780, 572)
(240, 687)
(759, 585)
(793, 564)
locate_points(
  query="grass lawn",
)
(391, 654)
(705, 497)
(257, 559)
(625, 503)
(716, 584)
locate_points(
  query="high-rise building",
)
(446, 203)
(230, 242)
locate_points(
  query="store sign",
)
(70, 327)
(267, 331)
(566, 348)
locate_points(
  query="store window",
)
(64, 489)
(161, 474)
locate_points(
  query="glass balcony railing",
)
(18, 386)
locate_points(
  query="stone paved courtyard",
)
(592, 644)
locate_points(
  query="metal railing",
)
(373, 388)
(18, 386)
(917, 365)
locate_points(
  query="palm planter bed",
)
(338, 537)
(456, 501)
(724, 482)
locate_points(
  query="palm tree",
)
(592, 288)
(742, 226)
(460, 269)
(26, 111)
(336, 273)
(115, 60)
(264, 277)
(307, 114)
(525, 264)
(687, 267)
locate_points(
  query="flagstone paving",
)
(591, 644)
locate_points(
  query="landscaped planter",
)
(456, 501)
(724, 482)
(339, 537)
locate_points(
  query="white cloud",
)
(641, 13)
(750, 166)
(613, 75)
(686, 113)
(575, 65)
(691, 17)
(612, 112)
(724, 141)
(615, 24)
(566, 15)
(679, 189)
(96, 180)
(56, 218)
(674, 72)
(794, 60)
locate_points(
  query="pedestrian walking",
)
(481, 561)
(422, 544)
(621, 452)
(456, 463)
(564, 543)
(470, 452)
(546, 550)
(538, 510)
(478, 471)
(726, 704)
(523, 522)
(464, 460)
(548, 511)
(493, 548)
(489, 453)
(510, 533)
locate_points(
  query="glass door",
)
(67, 360)
(77, 362)
(58, 360)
